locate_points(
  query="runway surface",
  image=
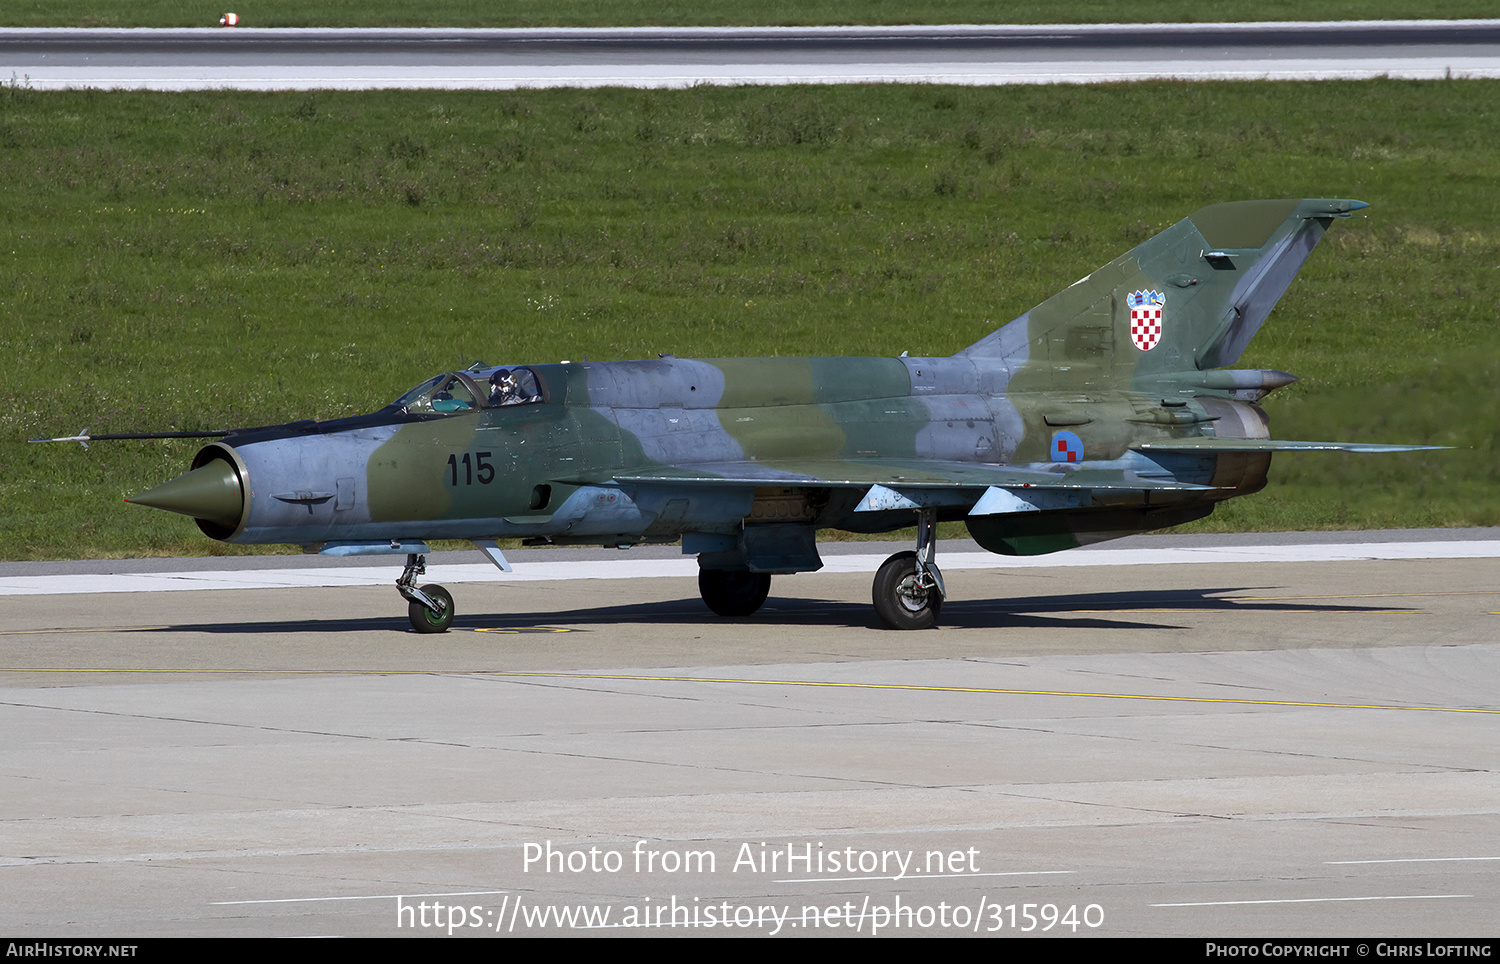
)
(354, 59)
(1234, 747)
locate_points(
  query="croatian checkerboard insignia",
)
(1145, 318)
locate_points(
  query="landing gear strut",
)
(431, 607)
(733, 594)
(908, 591)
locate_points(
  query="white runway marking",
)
(687, 567)
(647, 57)
(915, 876)
(963, 73)
(1410, 860)
(1317, 900)
(318, 900)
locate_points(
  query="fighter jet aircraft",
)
(1109, 409)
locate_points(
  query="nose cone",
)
(211, 493)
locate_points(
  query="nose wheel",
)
(436, 618)
(430, 607)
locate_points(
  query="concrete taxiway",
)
(1287, 736)
(360, 59)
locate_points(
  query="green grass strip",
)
(207, 260)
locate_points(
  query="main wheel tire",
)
(900, 601)
(424, 620)
(733, 594)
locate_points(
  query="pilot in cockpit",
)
(513, 387)
(503, 388)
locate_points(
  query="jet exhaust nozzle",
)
(210, 493)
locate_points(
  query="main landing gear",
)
(733, 594)
(431, 607)
(908, 590)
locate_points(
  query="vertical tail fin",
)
(1190, 298)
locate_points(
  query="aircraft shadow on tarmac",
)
(1104, 610)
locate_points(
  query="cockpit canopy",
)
(479, 388)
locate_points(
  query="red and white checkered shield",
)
(1146, 309)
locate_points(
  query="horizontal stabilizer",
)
(1210, 445)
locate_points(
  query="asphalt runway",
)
(354, 59)
(1231, 748)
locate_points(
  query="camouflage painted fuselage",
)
(1101, 412)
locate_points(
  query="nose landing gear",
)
(430, 607)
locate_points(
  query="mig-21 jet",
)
(1108, 409)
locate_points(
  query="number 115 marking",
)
(480, 466)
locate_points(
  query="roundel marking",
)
(1067, 447)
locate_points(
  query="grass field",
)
(615, 13)
(183, 261)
